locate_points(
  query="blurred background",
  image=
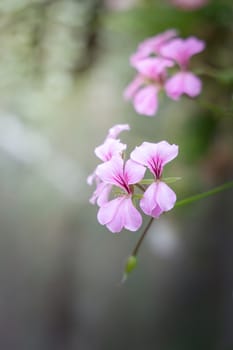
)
(63, 67)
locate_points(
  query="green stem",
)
(141, 187)
(136, 249)
(179, 204)
(204, 194)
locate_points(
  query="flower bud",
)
(130, 265)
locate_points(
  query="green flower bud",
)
(130, 265)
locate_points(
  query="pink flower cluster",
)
(123, 178)
(153, 58)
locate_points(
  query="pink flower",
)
(152, 71)
(105, 152)
(111, 147)
(101, 194)
(183, 82)
(120, 213)
(152, 45)
(154, 68)
(145, 87)
(181, 50)
(158, 197)
(189, 4)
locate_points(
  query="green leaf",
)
(147, 181)
(170, 180)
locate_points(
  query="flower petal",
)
(108, 211)
(109, 148)
(91, 178)
(148, 152)
(116, 130)
(104, 193)
(133, 87)
(183, 83)
(148, 202)
(112, 171)
(181, 50)
(157, 198)
(157, 41)
(132, 217)
(96, 193)
(165, 196)
(143, 153)
(174, 86)
(145, 101)
(152, 67)
(166, 152)
(119, 213)
(133, 172)
(156, 212)
(152, 45)
(192, 85)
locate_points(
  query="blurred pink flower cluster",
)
(189, 4)
(123, 178)
(153, 58)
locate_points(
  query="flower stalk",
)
(132, 260)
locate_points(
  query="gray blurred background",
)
(63, 67)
